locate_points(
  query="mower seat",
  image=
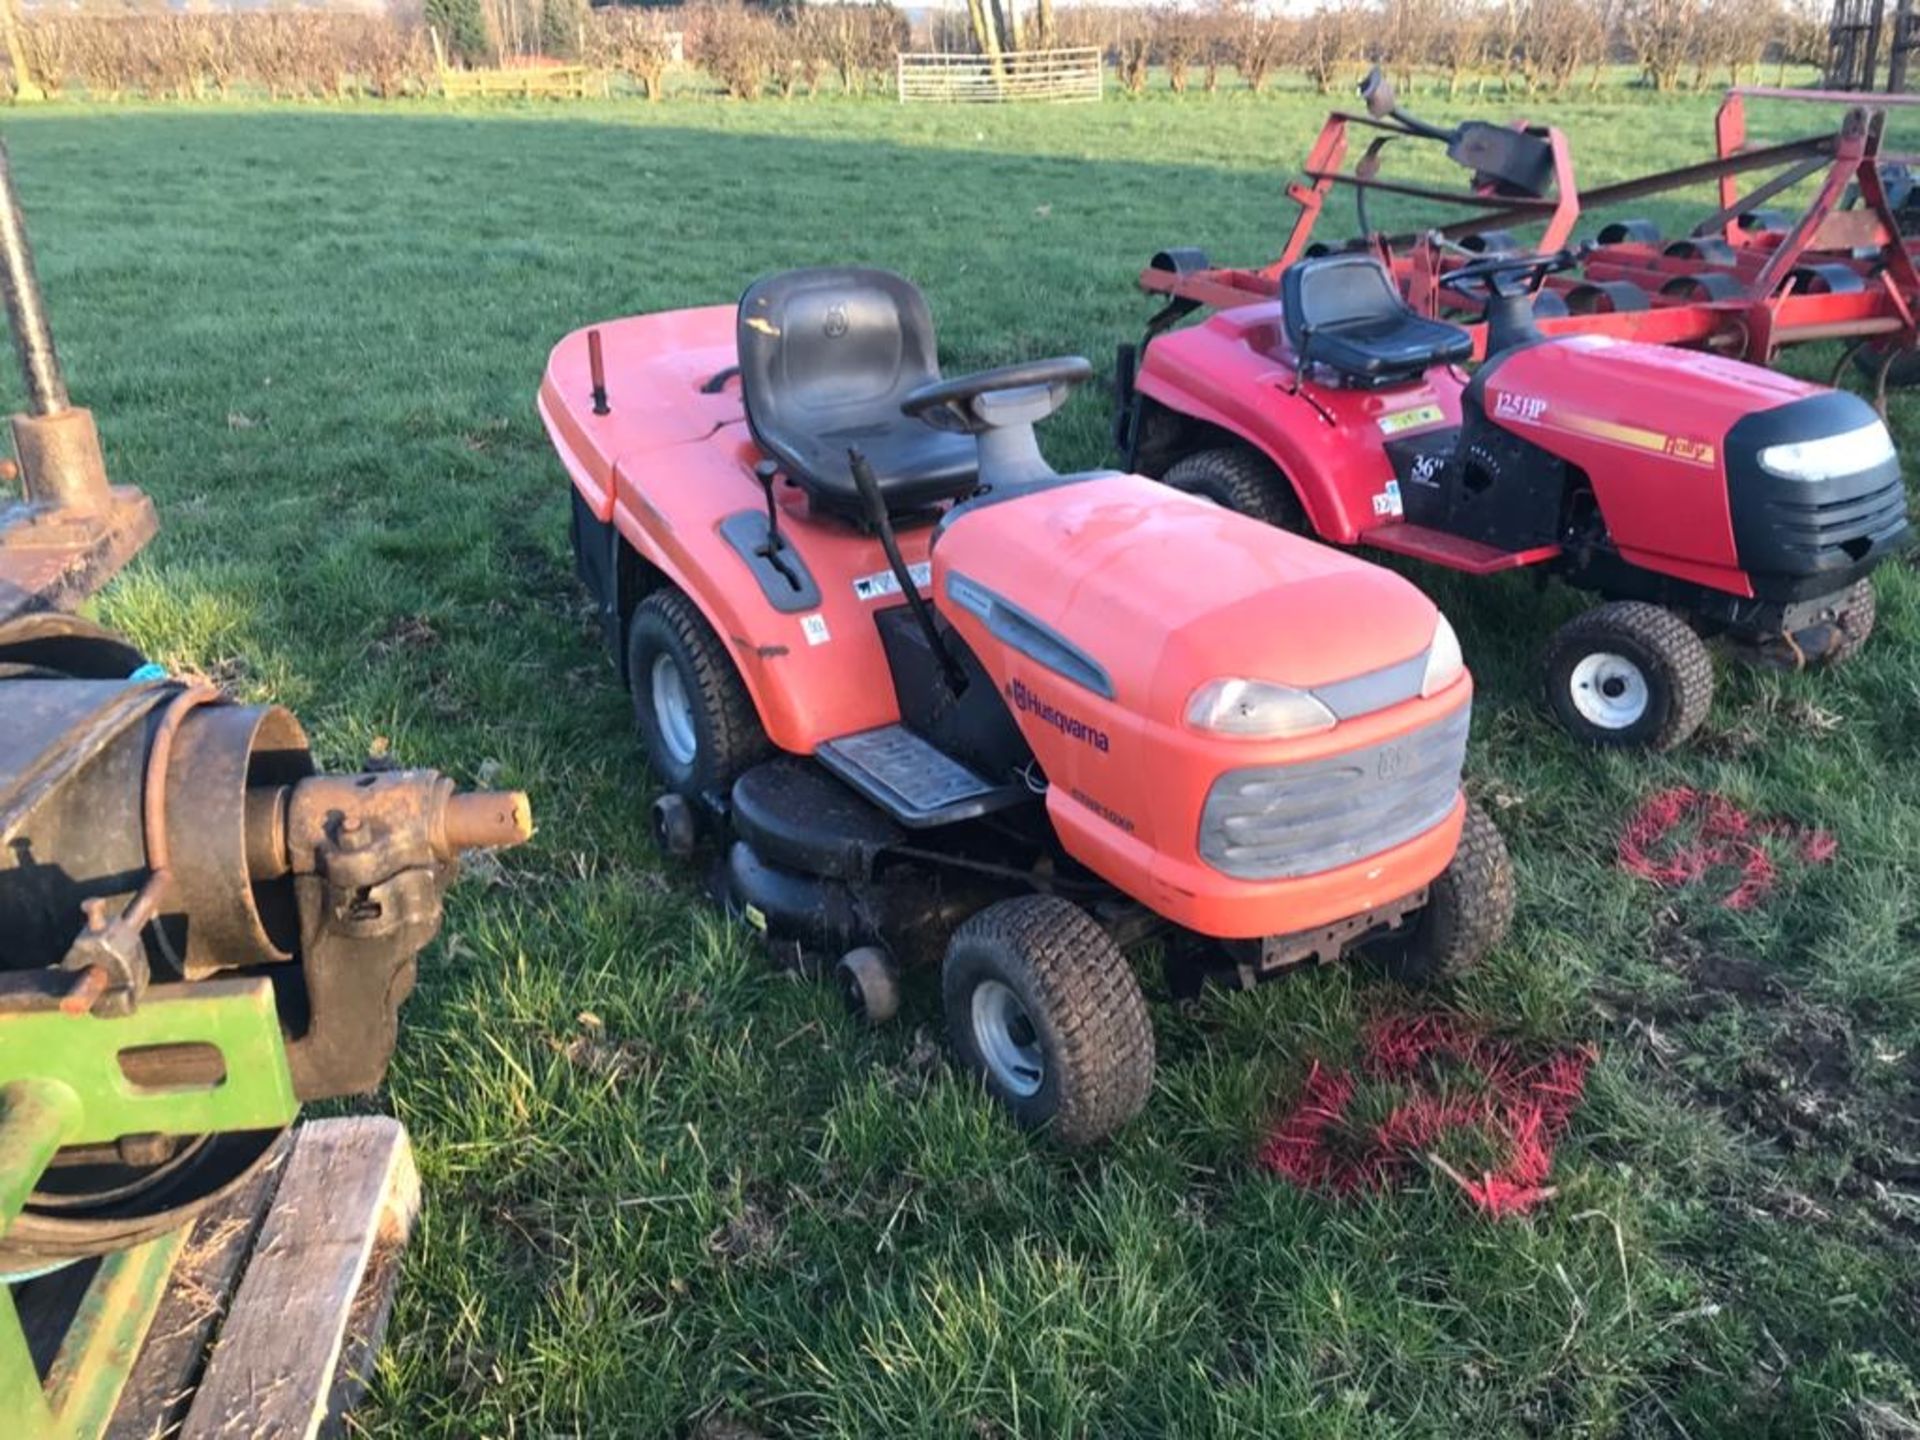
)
(1344, 312)
(826, 357)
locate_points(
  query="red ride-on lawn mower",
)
(1697, 494)
(1115, 711)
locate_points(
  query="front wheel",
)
(1042, 1006)
(1468, 910)
(1629, 674)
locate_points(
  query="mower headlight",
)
(1257, 710)
(1847, 453)
(1444, 661)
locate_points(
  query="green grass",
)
(668, 1187)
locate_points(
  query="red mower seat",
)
(1345, 313)
(826, 357)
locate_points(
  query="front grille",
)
(1799, 538)
(1813, 527)
(1274, 822)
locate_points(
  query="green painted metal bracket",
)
(74, 1078)
(96, 1057)
(36, 1116)
(96, 1356)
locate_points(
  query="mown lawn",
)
(670, 1189)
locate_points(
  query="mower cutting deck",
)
(1698, 495)
(919, 684)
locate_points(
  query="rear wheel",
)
(1042, 1006)
(1468, 910)
(689, 703)
(1242, 480)
(1903, 369)
(1629, 674)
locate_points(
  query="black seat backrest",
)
(1332, 291)
(1345, 314)
(822, 344)
(826, 357)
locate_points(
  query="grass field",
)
(670, 1190)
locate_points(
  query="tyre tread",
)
(739, 741)
(1675, 647)
(1243, 480)
(1105, 1034)
(1469, 908)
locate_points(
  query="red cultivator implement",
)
(1745, 280)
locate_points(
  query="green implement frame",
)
(67, 1078)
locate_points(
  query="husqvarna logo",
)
(1044, 711)
(1511, 405)
(1390, 763)
(836, 322)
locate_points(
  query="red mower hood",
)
(1165, 592)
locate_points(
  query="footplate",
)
(914, 781)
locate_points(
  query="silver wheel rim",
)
(1610, 691)
(1007, 1039)
(673, 711)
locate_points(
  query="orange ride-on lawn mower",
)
(916, 680)
(1698, 494)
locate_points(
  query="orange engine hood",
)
(1165, 592)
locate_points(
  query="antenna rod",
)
(596, 370)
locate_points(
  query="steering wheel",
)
(1492, 272)
(964, 405)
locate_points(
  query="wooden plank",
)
(349, 1190)
(163, 1380)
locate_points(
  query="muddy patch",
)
(1802, 1079)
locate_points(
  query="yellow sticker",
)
(757, 918)
(1411, 419)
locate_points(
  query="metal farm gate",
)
(1023, 75)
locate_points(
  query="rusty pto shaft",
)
(409, 817)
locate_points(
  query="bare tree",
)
(1460, 41)
(1328, 41)
(1179, 38)
(986, 32)
(1256, 42)
(1733, 36)
(1661, 35)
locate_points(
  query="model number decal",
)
(872, 587)
(1511, 405)
(1071, 726)
(1411, 419)
(1112, 817)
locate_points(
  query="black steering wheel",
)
(1492, 273)
(951, 405)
